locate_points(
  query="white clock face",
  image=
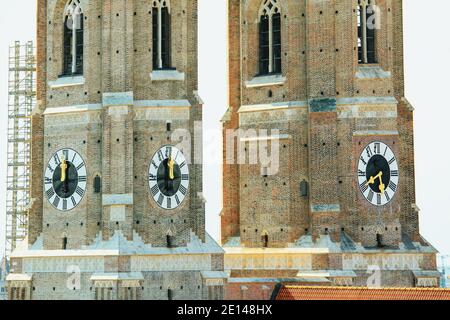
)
(378, 173)
(65, 180)
(168, 177)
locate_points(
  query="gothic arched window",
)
(73, 38)
(161, 34)
(270, 37)
(368, 23)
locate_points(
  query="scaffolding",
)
(21, 101)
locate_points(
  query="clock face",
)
(65, 180)
(168, 177)
(378, 173)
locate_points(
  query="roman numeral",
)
(152, 177)
(155, 190)
(168, 152)
(183, 190)
(64, 204)
(161, 199)
(369, 152)
(73, 201)
(387, 196)
(377, 148)
(394, 173)
(183, 165)
(56, 201)
(361, 173)
(82, 179)
(48, 180)
(364, 187)
(169, 203)
(160, 155)
(393, 186)
(80, 192)
(154, 165)
(379, 198)
(74, 156)
(177, 200)
(66, 154)
(50, 168)
(57, 160)
(80, 166)
(370, 196)
(385, 151)
(185, 177)
(392, 161)
(363, 161)
(50, 193)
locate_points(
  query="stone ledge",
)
(375, 133)
(67, 82)
(167, 75)
(272, 106)
(372, 72)
(73, 109)
(265, 81)
(118, 99)
(117, 199)
(325, 208)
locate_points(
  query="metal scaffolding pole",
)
(21, 101)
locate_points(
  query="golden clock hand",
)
(171, 165)
(372, 179)
(63, 170)
(382, 186)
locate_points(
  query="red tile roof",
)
(353, 293)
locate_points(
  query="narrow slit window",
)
(73, 39)
(97, 184)
(270, 38)
(265, 239)
(161, 24)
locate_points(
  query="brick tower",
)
(117, 209)
(326, 79)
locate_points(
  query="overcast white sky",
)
(427, 54)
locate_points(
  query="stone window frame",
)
(269, 8)
(364, 42)
(73, 13)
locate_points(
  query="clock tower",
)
(117, 208)
(325, 79)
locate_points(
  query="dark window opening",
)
(170, 241)
(65, 243)
(161, 39)
(73, 48)
(97, 184)
(380, 241)
(264, 45)
(170, 294)
(304, 188)
(368, 16)
(276, 20)
(265, 240)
